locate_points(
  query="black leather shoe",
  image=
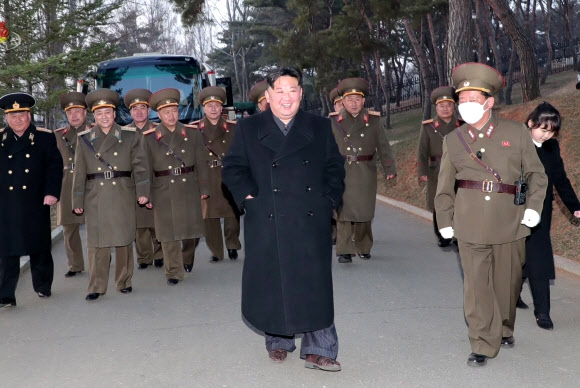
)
(213, 259)
(443, 242)
(93, 296)
(143, 266)
(544, 321)
(475, 359)
(158, 263)
(126, 290)
(508, 342)
(232, 254)
(520, 304)
(172, 282)
(7, 302)
(344, 259)
(365, 256)
(44, 294)
(70, 274)
(187, 267)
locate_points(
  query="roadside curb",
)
(560, 262)
(55, 235)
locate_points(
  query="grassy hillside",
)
(559, 91)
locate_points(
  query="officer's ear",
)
(267, 94)
(490, 102)
(114, 114)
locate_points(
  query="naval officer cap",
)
(72, 100)
(16, 102)
(258, 92)
(477, 76)
(443, 93)
(349, 86)
(334, 96)
(164, 98)
(137, 96)
(212, 93)
(102, 98)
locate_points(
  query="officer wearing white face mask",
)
(483, 159)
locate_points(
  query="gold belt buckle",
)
(487, 186)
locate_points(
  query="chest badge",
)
(506, 144)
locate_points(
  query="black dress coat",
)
(539, 255)
(296, 181)
(30, 169)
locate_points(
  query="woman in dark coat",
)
(544, 123)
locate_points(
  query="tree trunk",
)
(459, 35)
(568, 32)
(528, 64)
(423, 67)
(481, 38)
(492, 42)
(436, 52)
(548, 67)
(509, 80)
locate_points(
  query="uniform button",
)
(28, 155)
(487, 197)
(348, 135)
(271, 217)
(114, 153)
(169, 167)
(9, 156)
(114, 183)
(310, 213)
(308, 188)
(98, 169)
(223, 154)
(360, 149)
(185, 180)
(223, 141)
(362, 135)
(69, 158)
(9, 171)
(182, 151)
(102, 183)
(275, 164)
(482, 150)
(211, 154)
(27, 171)
(114, 167)
(348, 148)
(210, 141)
(480, 135)
(11, 188)
(71, 171)
(24, 187)
(172, 181)
(306, 162)
(276, 190)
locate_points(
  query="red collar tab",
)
(457, 124)
(471, 135)
(64, 132)
(340, 118)
(489, 131)
(437, 124)
(159, 135)
(202, 125)
(183, 133)
(225, 126)
(366, 118)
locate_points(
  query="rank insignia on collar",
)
(339, 118)
(366, 119)
(201, 125)
(65, 131)
(183, 133)
(4, 137)
(437, 124)
(117, 134)
(225, 126)
(31, 137)
(489, 131)
(93, 136)
(457, 124)
(159, 135)
(471, 135)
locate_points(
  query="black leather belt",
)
(487, 186)
(358, 158)
(109, 175)
(174, 171)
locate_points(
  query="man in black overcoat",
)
(285, 171)
(30, 182)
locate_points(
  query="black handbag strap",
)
(172, 153)
(97, 155)
(475, 158)
(346, 139)
(204, 140)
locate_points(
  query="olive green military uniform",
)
(180, 178)
(108, 195)
(334, 98)
(258, 92)
(66, 141)
(146, 244)
(486, 222)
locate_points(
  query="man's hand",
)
(447, 232)
(577, 214)
(392, 176)
(249, 197)
(50, 200)
(142, 200)
(149, 205)
(78, 211)
(531, 218)
(423, 178)
(204, 196)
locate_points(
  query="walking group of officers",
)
(160, 185)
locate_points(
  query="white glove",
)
(531, 218)
(447, 232)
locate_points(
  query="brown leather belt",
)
(487, 186)
(174, 171)
(214, 163)
(109, 175)
(358, 158)
(435, 158)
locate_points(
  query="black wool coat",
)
(30, 169)
(539, 255)
(296, 181)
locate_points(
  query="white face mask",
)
(472, 112)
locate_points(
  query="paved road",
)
(399, 318)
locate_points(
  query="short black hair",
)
(293, 72)
(545, 115)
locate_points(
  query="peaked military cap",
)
(16, 102)
(443, 93)
(349, 86)
(137, 96)
(164, 98)
(477, 76)
(102, 98)
(72, 100)
(334, 96)
(258, 92)
(212, 93)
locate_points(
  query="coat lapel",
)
(111, 139)
(300, 136)
(268, 134)
(177, 138)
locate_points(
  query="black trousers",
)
(41, 269)
(540, 289)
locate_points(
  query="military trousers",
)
(176, 254)
(435, 226)
(147, 246)
(41, 269)
(353, 238)
(73, 247)
(320, 342)
(214, 239)
(491, 287)
(100, 262)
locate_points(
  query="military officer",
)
(217, 135)
(147, 247)
(361, 140)
(180, 183)
(482, 159)
(75, 108)
(258, 95)
(337, 101)
(111, 172)
(30, 182)
(430, 142)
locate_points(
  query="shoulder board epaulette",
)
(231, 121)
(60, 129)
(153, 123)
(147, 132)
(332, 114)
(194, 122)
(374, 113)
(190, 126)
(2, 129)
(93, 124)
(43, 130)
(130, 129)
(427, 121)
(84, 132)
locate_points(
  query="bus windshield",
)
(184, 76)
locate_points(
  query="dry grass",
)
(559, 91)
